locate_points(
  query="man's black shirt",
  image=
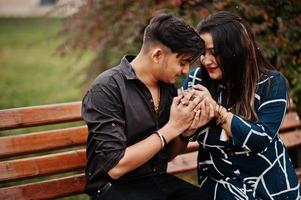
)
(119, 112)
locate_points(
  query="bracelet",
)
(162, 138)
(184, 139)
(222, 116)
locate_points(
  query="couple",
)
(233, 105)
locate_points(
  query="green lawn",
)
(31, 72)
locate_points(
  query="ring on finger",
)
(184, 103)
(196, 110)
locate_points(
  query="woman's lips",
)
(211, 69)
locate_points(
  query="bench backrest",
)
(49, 164)
(44, 153)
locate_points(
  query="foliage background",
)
(96, 37)
(113, 28)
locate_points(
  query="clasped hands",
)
(190, 110)
(203, 105)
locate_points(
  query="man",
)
(134, 118)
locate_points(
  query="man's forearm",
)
(136, 155)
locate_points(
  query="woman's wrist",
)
(221, 114)
(216, 109)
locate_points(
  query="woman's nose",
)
(205, 60)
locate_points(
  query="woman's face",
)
(209, 58)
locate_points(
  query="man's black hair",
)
(174, 33)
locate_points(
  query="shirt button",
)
(113, 124)
(154, 170)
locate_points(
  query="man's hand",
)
(182, 113)
(204, 112)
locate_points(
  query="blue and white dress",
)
(253, 164)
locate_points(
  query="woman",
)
(241, 155)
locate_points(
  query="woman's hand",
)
(198, 91)
(203, 93)
(204, 112)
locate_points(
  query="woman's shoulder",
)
(275, 74)
(272, 76)
(195, 72)
(272, 85)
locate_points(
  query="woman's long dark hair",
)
(239, 58)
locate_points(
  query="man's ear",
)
(157, 55)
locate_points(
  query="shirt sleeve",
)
(255, 137)
(103, 113)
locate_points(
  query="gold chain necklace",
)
(157, 104)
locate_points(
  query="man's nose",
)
(185, 69)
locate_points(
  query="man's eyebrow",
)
(187, 59)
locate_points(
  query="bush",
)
(113, 28)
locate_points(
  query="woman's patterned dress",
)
(253, 164)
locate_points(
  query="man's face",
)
(173, 66)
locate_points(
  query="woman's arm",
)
(256, 136)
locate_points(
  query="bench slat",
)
(47, 189)
(57, 188)
(41, 141)
(291, 139)
(71, 160)
(39, 115)
(42, 165)
(291, 121)
(65, 112)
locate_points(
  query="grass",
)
(32, 73)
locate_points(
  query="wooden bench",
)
(49, 164)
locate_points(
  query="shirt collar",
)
(221, 87)
(127, 68)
